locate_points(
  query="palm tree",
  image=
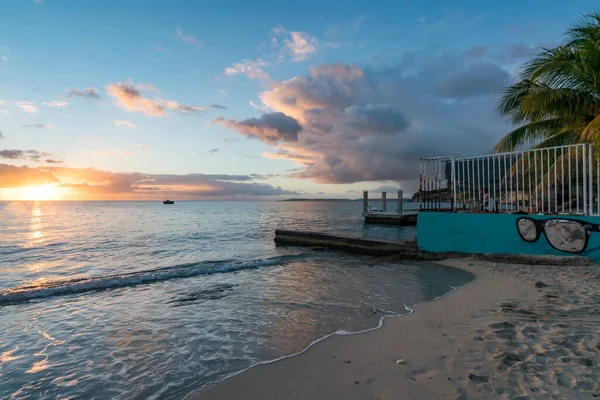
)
(557, 98)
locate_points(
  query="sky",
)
(153, 99)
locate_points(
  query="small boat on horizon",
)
(168, 202)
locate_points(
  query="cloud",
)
(270, 127)
(387, 189)
(38, 126)
(222, 91)
(50, 161)
(378, 118)
(143, 147)
(299, 45)
(475, 52)
(244, 67)
(147, 86)
(4, 58)
(161, 49)
(127, 152)
(56, 103)
(89, 183)
(12, 176)
(252, 69)
(304, 159)
(90, 93)
(101, 152)
(374, 122)
(125, 123)
(506, 54)
(30, 155)
(517, 52)
(4, 112)
(131, 99)
(187, 38)
(27, 106)
(481, 78)
(214, 150)
(257, 107)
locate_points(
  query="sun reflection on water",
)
(36, 235)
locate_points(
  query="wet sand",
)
(515, 332)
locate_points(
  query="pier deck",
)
(391, 219)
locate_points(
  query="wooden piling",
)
(365, 202)
(383, 202)
(400, 202)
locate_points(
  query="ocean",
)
(144, 300)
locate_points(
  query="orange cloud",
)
(303, 159)
(13, 176)
(101, 153)
(127, 152)
(131, 99)
(92, 184)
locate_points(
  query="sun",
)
(43, 192)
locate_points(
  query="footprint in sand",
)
(478, 379)
(565, 380)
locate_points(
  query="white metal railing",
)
(437, 183)
(555, 180)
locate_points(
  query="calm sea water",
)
(145, 300)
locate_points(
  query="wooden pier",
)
(382, 217)
(391, 219)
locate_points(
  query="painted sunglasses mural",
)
(567, 235)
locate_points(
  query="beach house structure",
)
(536, 201)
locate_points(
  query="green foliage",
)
(557, 98)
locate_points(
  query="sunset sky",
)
(107, 99)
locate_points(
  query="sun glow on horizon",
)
(42, 192)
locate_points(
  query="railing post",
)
(585, 198)
(383, 202)
(421, 184)
(453, 185)
(365, 202)
(591, 180)
(400, 202)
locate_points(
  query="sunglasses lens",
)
(565, 235)
(527, 230)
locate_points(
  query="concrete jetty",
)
(345, 243)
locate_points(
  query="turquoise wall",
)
(488, 234)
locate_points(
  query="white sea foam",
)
(61, 288)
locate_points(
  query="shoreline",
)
(330, 335)
(462, 344)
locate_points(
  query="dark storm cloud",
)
(270, 127)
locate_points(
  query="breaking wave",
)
(82, 285)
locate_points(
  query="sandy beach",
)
(515, 332)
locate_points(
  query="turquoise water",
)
(145, 300)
